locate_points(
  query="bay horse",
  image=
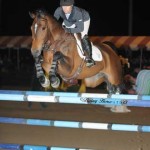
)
(61, 58)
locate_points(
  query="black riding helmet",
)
(66, 2)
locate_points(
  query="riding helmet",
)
(66, 2)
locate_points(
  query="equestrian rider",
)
(76, 20)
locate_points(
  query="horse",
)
(61, 59)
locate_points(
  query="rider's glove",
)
(67, 29)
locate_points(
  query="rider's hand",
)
(66, 29)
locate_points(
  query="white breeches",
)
(86, 28)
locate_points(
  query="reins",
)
(55, 44)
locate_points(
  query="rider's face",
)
(67, 9)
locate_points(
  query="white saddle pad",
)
(96, 53)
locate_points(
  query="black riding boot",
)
(87, 48)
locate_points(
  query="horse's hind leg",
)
(113, 89)
(119, 108)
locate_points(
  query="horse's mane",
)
(44, 12)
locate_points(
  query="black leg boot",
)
(87, 48)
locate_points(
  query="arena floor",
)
(69, 137)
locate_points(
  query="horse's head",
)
(40, 32)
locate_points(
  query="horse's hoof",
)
(56, 83)
(108, 106)
(42, 79)
(46, 84)
(120, 109)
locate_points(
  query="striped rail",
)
(72, 98)
(76, 98)
(33, 147)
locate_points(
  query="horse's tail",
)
(124, 63)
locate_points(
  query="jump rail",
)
(32, 147)
(76, 98)
(76, 124)
(73, 98)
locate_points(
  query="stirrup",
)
(89, 62)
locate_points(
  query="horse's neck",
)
(59, 36)
(56, 30)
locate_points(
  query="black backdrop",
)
(107, 17)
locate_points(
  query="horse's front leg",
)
(54, 79)
(44, 81)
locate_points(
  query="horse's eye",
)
(43, 28)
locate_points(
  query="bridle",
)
(46, 44)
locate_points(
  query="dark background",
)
(108, 17)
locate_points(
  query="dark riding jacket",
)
(77, 18)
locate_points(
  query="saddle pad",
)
(96, 53)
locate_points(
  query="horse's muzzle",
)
(36, 53)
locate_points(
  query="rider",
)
(76, 20)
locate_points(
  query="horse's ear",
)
(32, 15)
(42, 15)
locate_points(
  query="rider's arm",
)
(80, 16)
(75, 27)
(57, 13)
